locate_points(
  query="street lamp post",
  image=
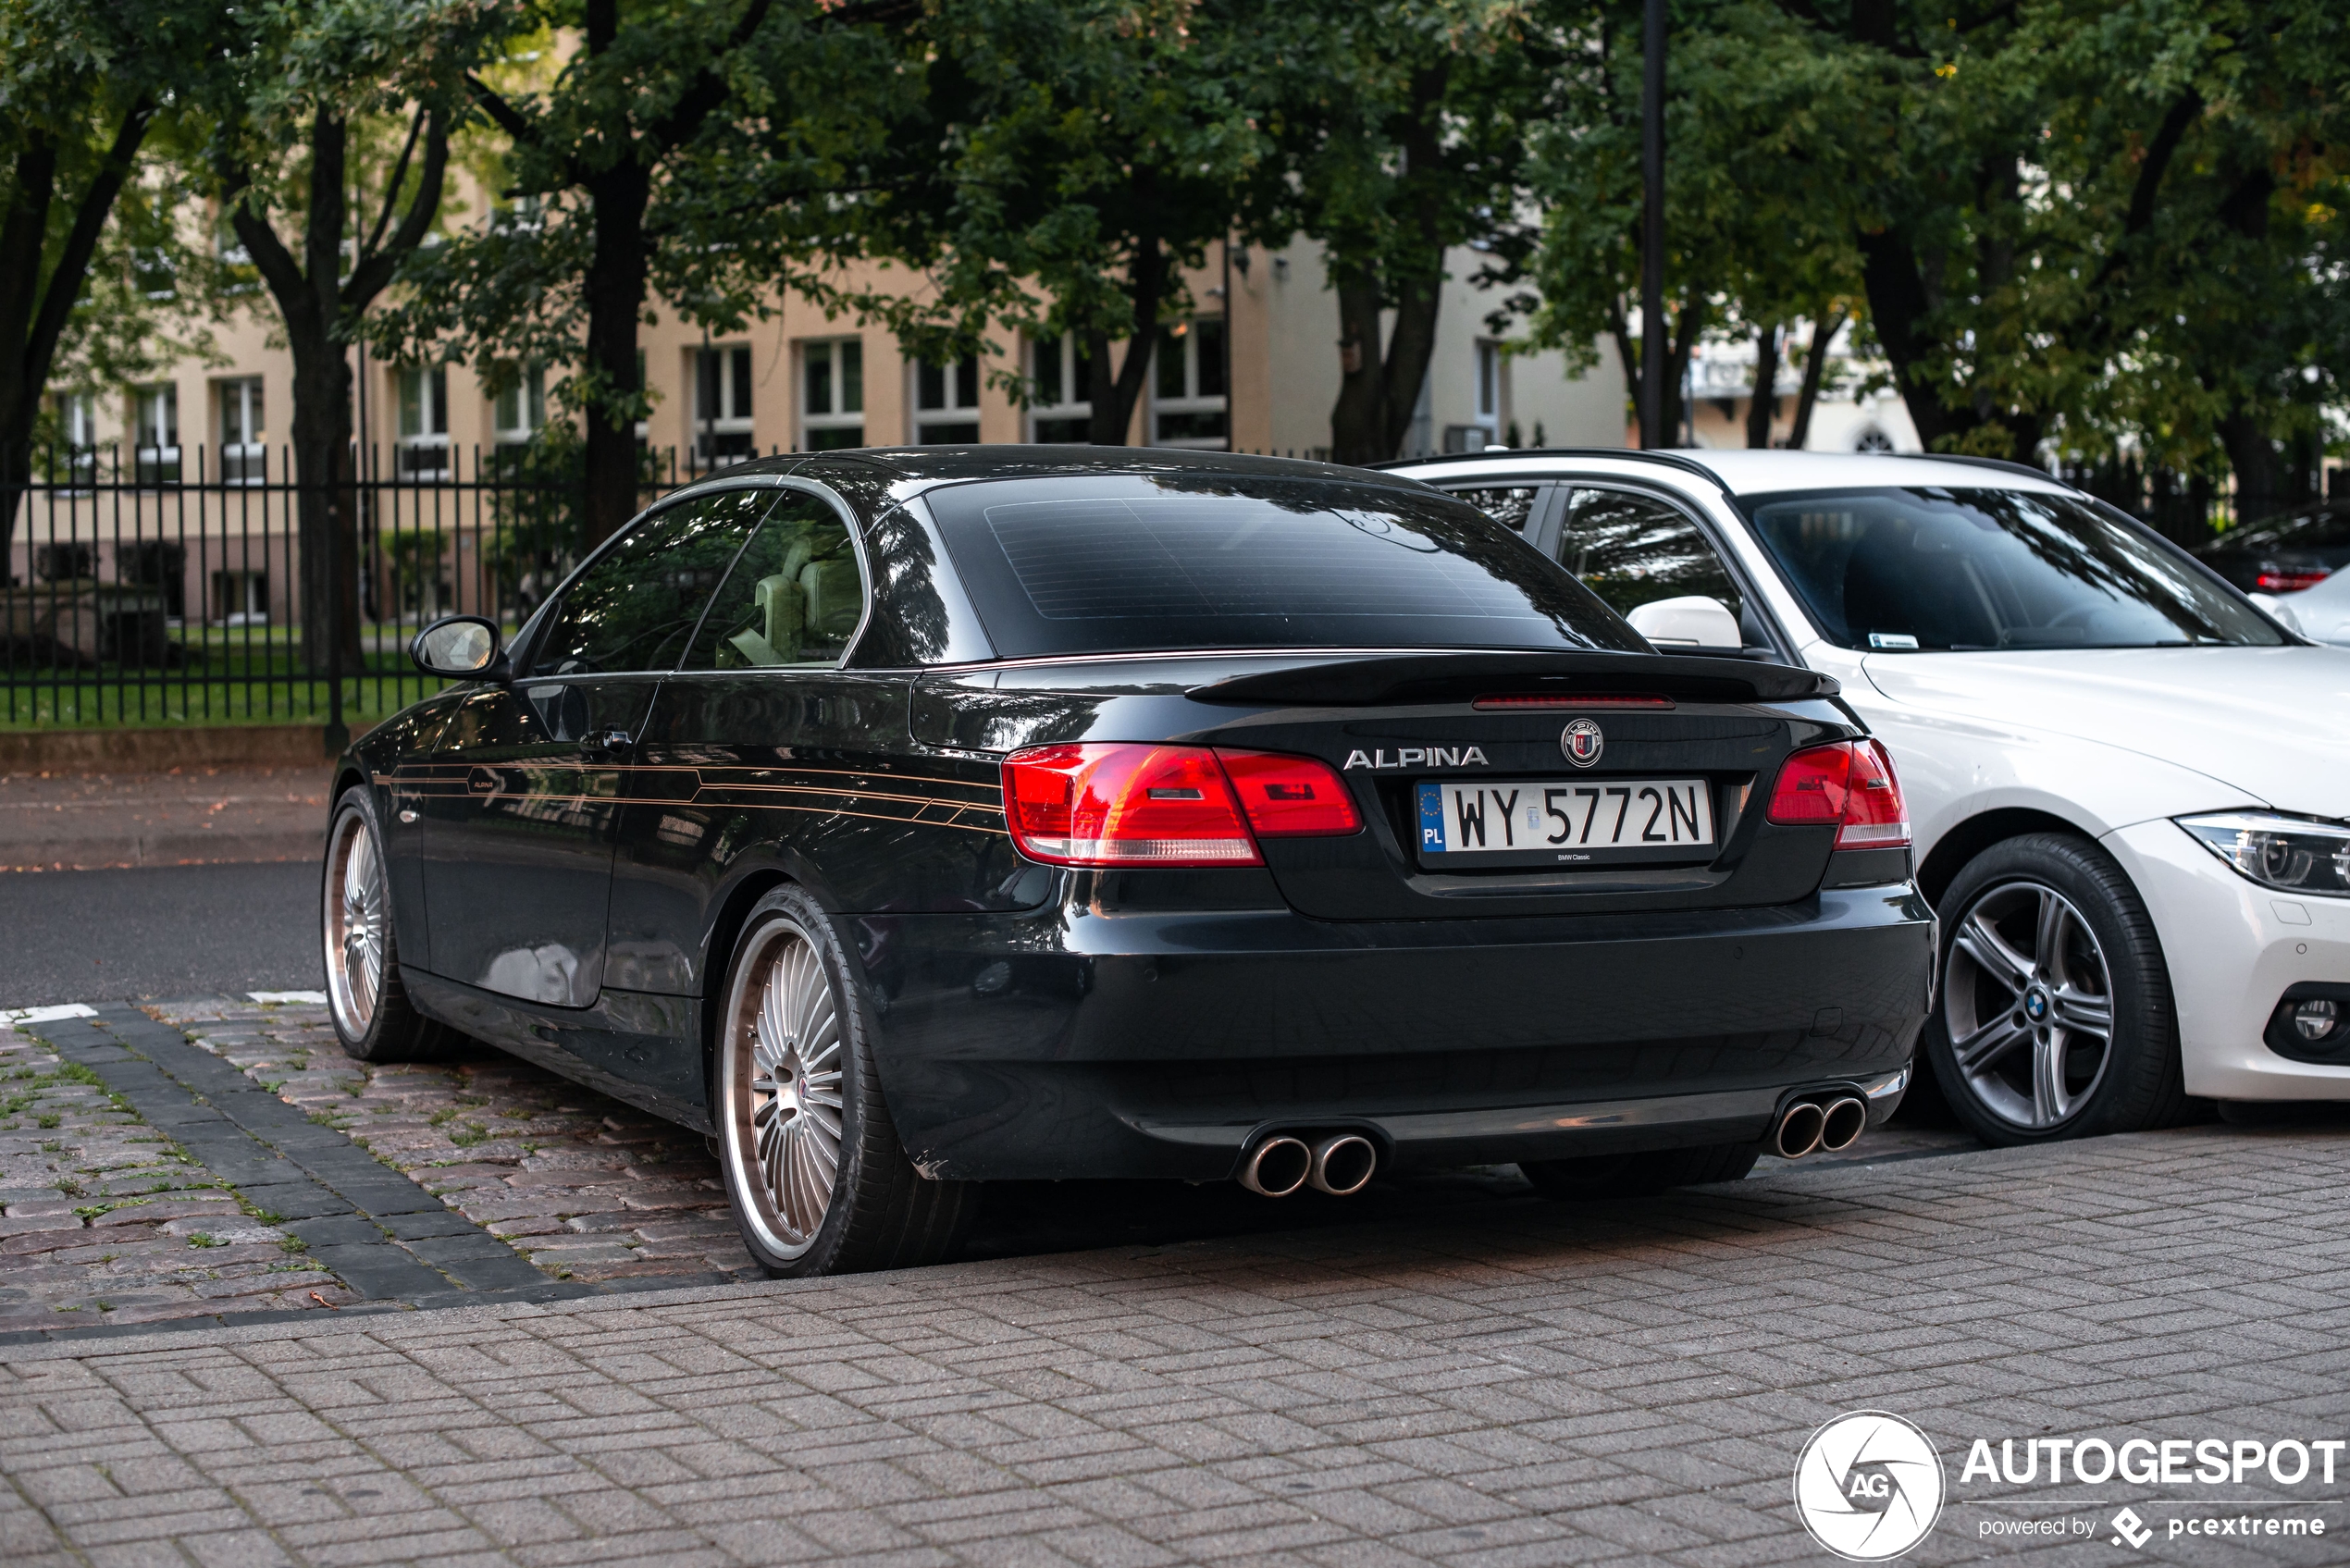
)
(1652, 344)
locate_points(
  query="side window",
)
(1630, 549)
(637, 606)
(794, 598)
(1508, 504)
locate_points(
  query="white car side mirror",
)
(2278, 611)
(1692, 622)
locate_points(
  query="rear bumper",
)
(1073, 1043)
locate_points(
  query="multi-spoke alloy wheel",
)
(2028, 1001)
(358, 924)
(2054, 1017)
(792, 1094)
(372, 1013)
(811, 1159)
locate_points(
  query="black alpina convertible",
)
(906, 819)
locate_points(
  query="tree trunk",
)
(1897, 305)
(1114, 400)
(1358, 420)
(33, 316)
(615, 291)
(1815, 362)
(1687, 322)
(2254, 458)
(1409, 348)
(1765, 404)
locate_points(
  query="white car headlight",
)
(2291, 853)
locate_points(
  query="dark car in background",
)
(2283, 554)
(911, 818)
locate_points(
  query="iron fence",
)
(168, 585)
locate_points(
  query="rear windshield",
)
(1132, 563)
(1973, 569)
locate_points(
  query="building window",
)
(244, 452)
(1062, 409)
(77, 461)
(946, 403)
(423, 450)
(721, 406)
(155, 418)
(241, 599)
(832, 412)
(520, 409)
(1187, 402)
(1490, 392)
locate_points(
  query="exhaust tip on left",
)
(1276, 1168)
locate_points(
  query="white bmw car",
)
(2130, 789)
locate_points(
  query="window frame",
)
(954, 411)
(1734, 566)
(157, 462)
(1067, 355)
(524, 651)
(244, 461)
(813, 421)
(1193, 401)
(432, 405)
(733, 364)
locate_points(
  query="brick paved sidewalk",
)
(107, 1220)
(1526, 1384)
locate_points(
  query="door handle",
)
(608, 747)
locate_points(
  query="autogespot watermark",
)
(1870, 1484)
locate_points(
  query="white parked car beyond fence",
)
(2130, 787)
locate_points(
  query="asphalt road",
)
(159, 931)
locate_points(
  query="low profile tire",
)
(819, 1182)
(372, 1014)
(1640, 1175)
(2053, 1017)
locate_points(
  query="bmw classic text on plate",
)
(908, 820)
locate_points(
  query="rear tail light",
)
(1137, 804)
(2290, 579)
(1291, 797)
(1850, 783)
(1117, 805)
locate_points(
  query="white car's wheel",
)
(2053, 1018)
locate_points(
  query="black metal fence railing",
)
(170, 586)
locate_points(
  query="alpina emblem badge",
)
(1582, 742)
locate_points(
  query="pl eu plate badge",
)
(1582, 742)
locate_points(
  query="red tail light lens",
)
(1291, 797)
(1874, 815)
(2290, 579)
(1850, 783)
(1120, 804)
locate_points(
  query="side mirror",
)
(1693, 622)
(457, 647)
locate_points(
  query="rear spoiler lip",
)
(1368, 680)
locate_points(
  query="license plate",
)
(1565, 821)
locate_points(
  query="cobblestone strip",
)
(108, 1221)
(588, 1188)
(382, 1235)
(1609, 1384)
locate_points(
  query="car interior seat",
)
(779, 609)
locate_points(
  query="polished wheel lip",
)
(357, 920)
(783, 1081)
(2059, 1000)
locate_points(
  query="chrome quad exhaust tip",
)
(1798, 1130)
(1842, 1124)
(1343, 1164)
(1277, 1167)
(1823, 1126)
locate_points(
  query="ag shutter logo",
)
(1868, 1486)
